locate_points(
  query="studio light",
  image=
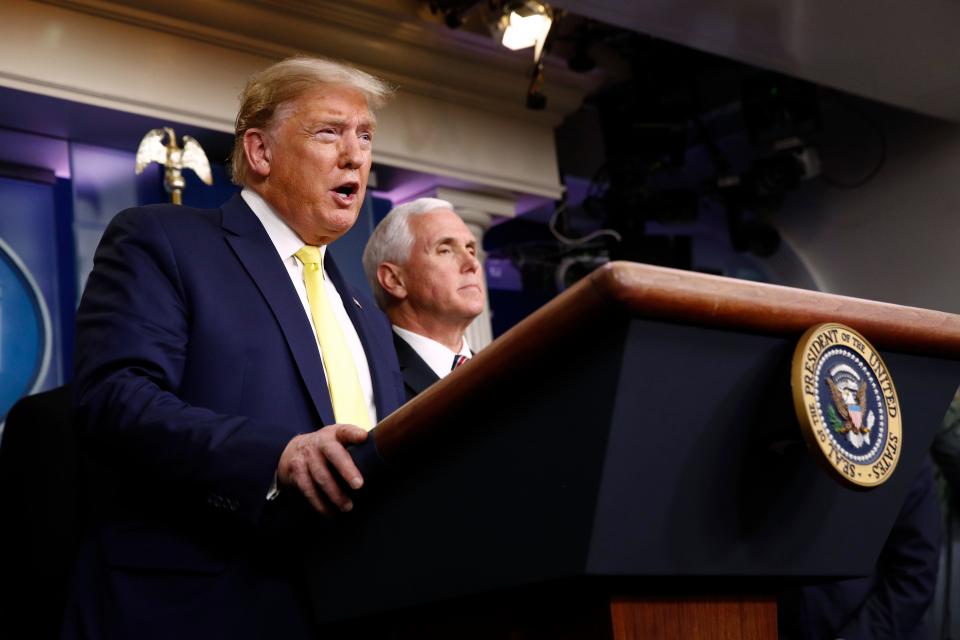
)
(525, 25)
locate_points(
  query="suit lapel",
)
(417, 374)
(256, 252)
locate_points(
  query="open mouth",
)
(347, 190)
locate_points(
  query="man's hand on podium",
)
(314, 463)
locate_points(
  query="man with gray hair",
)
(222, 365)
(421, 262)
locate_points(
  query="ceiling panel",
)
(905, 54)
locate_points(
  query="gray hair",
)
(267, 91)
(392, 240)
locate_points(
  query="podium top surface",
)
(698, 298)
(672, 295)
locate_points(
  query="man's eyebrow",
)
(453, 240)
(337, 120)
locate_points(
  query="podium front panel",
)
(638, 451)
(717, 481)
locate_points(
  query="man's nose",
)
(351, 155)
(471, 262)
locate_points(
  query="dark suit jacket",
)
(891, 603)
(196, 364)
(39, 477)
(417, 374)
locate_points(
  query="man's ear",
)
(390, 277)
(256, 149)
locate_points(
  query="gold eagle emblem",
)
(850, 408)
(174, 159)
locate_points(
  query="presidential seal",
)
(847, 406)
(25, 332)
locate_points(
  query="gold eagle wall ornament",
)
(174, 159)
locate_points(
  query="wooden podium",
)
(625, 463)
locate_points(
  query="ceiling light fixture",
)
(523, 25)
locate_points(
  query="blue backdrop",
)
(31, 335)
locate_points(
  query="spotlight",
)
(523, 25)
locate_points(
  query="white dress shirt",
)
(287, 243)
(438, 357)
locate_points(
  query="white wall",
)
(896, 238)
(148, 65)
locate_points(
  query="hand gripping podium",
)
(626, 463)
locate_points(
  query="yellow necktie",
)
(346, 395)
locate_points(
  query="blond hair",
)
(267, 91)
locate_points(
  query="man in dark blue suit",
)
(219, 358)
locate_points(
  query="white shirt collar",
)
(438, 357)
(284, 239)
